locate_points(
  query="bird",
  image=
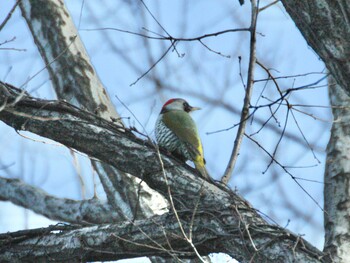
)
(176, 132)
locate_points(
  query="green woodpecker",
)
(176, 132)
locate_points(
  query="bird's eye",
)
(187, 107)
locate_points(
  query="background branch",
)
(84, 212)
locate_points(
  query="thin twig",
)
(154, 64)
(211, 50)
(175, 39)
(287, 92)
(268, 5)
(311, 115)
(304, 137)
(245, 110)
(154, 18)
(279, 141)
(293, 76)
(7, 18)
(195, 211)
(81, 13)
(295, 179)
(270, 76)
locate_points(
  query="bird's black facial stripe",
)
(187, 107)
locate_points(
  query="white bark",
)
(337, 178)
(68, 63)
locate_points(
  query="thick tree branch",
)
(90, 134)
(213, 231)
(223, 221)
(85, 212)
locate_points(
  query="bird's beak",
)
(195, 108)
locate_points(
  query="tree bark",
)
(208, 217)
(212, 231)
(84, 212)
(337, 178)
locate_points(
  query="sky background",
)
(201, 76)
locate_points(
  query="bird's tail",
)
(200, 166)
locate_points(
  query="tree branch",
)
(248, 94)
(161, 236)
(85, 212)
(9, 15)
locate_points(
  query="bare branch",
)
(171, 38)
(7, 18)
(85, 212)
(246, 104)
(268, 5)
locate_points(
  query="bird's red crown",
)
(169, 102)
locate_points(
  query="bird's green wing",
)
(181, 123)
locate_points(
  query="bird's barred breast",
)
(165, 137)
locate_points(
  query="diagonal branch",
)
(8, 17)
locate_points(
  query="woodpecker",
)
(177, 133)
